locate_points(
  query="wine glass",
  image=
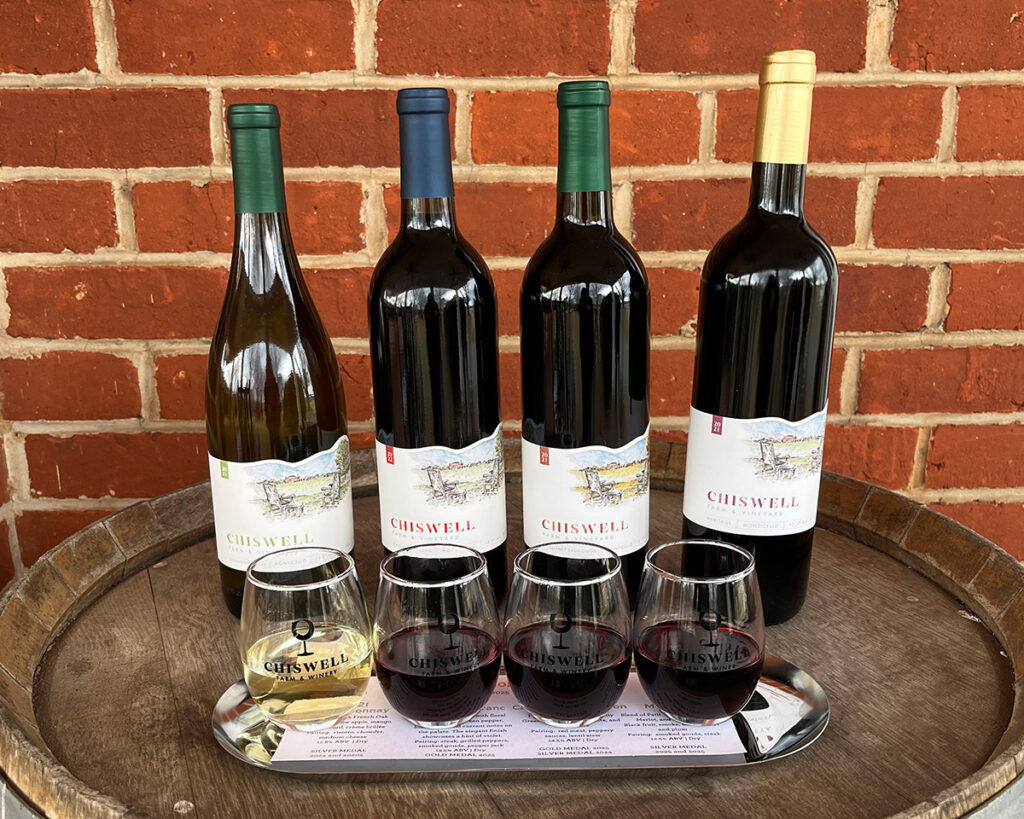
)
(305, 637)
(436, 635)
(567, 632)
(699, 630)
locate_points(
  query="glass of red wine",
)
(567, 632)
(436, 636)
(699, 630)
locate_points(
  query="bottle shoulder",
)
(771, 247)
(584, 256)
(438, 265)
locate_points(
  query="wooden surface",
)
(925, 715)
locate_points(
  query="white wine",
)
(308, 684)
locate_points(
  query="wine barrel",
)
(115, 646)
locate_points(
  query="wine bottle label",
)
(593, 494)
(265, 506)
(434, 494)
(753, 476)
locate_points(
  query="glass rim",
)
(350, 568)
(707, 581)
(616, 569)
(385, 571)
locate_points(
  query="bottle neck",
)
(264, 257)
(777, 188)
(592, 209)
(429, 213)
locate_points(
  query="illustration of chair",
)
(442, 490)
(332, 492)
(599, 490)
(279, 503)
(491, 482)
(773, 464)
(643, 479)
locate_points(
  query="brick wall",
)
(116, 215)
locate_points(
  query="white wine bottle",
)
(275, 409)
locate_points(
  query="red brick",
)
(835, 378)
(325, 128)
(986, 296)
(880, 455)
(120, 465)
(881, 299)
(860, 124)
(112, 302)
(942, 379)
(357, 382)
(647, 128)
(340, 299)
(179, 216)
(674, 295)
(693, 214)
(958, 212)
(975, 456)
(181, 386)
(234, 36)
(47, 37)
(928, 38)
(510, 376)
(668, 435)
(990, 123)
(507, 284)
(497, 38)
(502, 219)
(671, 382)
(729, 36)
(6, 558)
(1001, 523)
(55, 216)
(361, 440)
(69, 387)
(40, 530)
(88, 128)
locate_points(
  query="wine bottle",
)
(764, 342)
(585, 344)
(434, 356)
(275, 409)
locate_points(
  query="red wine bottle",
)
(434, 354)
(585, 343)
(275, 409)
(764, 342)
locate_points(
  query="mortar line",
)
(947, 133)
(124, 215)
(364, 36)
(218, 143)
(940, 279)
(105, 35)
(880, 27)
(920, 466)
(864, 213)
(849, 384)
(463, 127)
(707, 103)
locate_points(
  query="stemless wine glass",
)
(305, 640)
(567, 629)
(436, 635)
(699, 630)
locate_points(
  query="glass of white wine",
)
(306, 637)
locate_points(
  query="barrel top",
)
(117, 645)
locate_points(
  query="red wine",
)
(585, 341)
(765, 324)
(431, 677)
(553, 678)
(434, 355)
(275, 408)
(695, 675)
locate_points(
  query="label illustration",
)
(439, 495)
(265, 506)
(593, 494)
(753, 476)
